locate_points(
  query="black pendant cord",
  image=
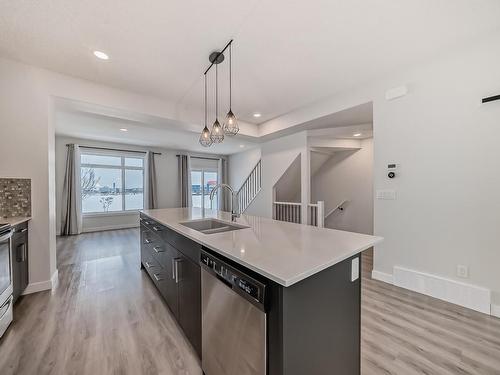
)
(230, 75)
(205, 76)
(216, 93)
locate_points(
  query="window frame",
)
(203, 170)
(123, 168)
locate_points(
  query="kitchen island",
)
(311, 277)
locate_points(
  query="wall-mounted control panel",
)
(392, 170)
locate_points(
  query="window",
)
(203, 182)
(111, 182)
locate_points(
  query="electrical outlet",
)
(462, 271)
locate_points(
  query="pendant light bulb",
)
(230, 126)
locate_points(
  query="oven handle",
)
(6, 236)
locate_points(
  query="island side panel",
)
(321, 323)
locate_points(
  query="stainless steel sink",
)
(211, 226)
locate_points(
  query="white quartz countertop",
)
(283, 252)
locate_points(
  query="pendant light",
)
(205, 139)
(217, 133)
(231, 123)
(230, 126)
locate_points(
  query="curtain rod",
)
(114, 149)
(202, 157)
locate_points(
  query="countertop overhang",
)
(15, 220)
(285, 253)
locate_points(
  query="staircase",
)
(250, 187)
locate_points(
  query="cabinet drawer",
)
(162, 252)
(186, 246)
(156, 272)
(152, 225)
(149, 263)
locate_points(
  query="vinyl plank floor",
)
(106, 317)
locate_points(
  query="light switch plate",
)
(355, 269)
(386, 194)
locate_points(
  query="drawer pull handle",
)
(176, 263)
(147, 240)
(158, 249)
(157, 229)
(157, 277)
(149, 265)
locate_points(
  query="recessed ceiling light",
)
(101, 55)
(124, 130)
(356, 135)
(241, 146)
(257, 114)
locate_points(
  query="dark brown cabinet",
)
(172, 264)
(19, 244)
(189, 289)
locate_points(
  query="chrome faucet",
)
(234, 198)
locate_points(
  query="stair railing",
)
(287, 211)
(316, 214)
(250, 187)
(339, 207)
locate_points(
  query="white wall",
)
(27, 143)
(167, 177)
(26, 151)
(447, 210)
(241, 164)
(276, 155)
(347, 175)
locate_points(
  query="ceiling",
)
(287, 53)
(107, 129)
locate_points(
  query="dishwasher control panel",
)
(239, 281)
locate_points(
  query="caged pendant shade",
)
(217, 133)
(205, 139)
(231, 123)
(229, 127)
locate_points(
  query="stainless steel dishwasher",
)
(233, 320)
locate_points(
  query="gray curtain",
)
(224, 194)
(71, 196)
(185, 180)
(151, 196)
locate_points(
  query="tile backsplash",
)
(15, 197)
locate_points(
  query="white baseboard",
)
(54, 280)
(382, 276)
(40, 286)
(110, 227)
(495, 310)
(471, 296)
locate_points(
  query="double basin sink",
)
(212, 226)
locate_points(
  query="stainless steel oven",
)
(5, 278)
